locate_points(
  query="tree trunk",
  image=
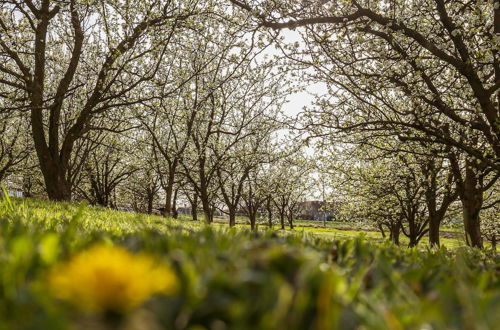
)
(382, 231)
(494, 243)
(2, 175)
(205, 204)
(412, 232)
(269, 213)
(150, 203)
(169, 189)
(58, 188)
(113, 200)
(98, 193)
(207, 213)
(175, 214)
(394, 234)
(472, 201)
(232, 217)
(436, 215)
(27, 186)
(282, 221)
(207, 210)
(434, 225)
(435, 219)
(470, 211)
(53, 164)
(470, 190)
(290, 221)
(413, 241)
(194, 207)
(253, 219)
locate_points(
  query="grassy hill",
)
(65, 266)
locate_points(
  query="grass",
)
(375, 236)
(126, 222)
(227, 278)
(350, 230)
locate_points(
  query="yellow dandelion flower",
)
(110, 278)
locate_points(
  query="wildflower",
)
(110, 278)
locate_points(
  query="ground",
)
(72, 266)
(451, 236)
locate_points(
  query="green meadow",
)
(175, 274)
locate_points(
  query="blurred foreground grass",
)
(222, 278)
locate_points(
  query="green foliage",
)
(238, 279)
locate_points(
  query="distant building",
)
(184, 210)
(12, 189)
(13, 193)
(315, 210)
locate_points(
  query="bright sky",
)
(298, 101)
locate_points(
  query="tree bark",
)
(194, 207)
(252, 215)
(416, 229)
(437, 214)
(232, 217)
(435, 219)
(282, 220)
(382, 231)
(207, 210)
(470, 211)
(472, 200)
(394, 233)
(434, 225)
(150, 198)
(169, 190)
(27, 186)
(58, 188)
(175, 214)
(269, 213)
(207, 213)
(470, 190)
(253, 220)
